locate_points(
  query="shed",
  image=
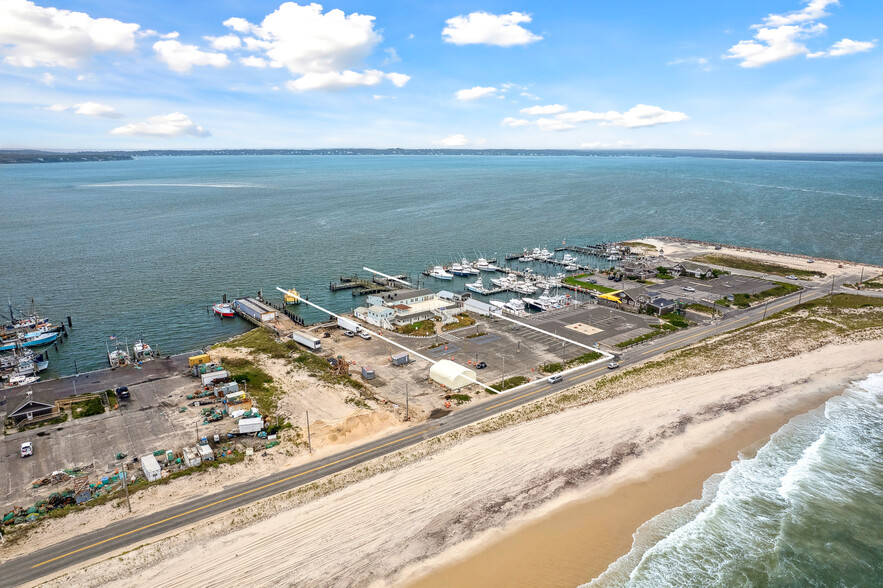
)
(255, 309)
(662, 305)
(482, 308)
(205, 453)
(451, 375)
(30, 405)
(367, 372)
(213, 376)
(400, 359)
(191, 457)
(150, 467)
(198, 359)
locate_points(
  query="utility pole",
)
(832, 285)
(197, 432)
(407, 406)
(309, 440)
(503, 376)
(767, 303)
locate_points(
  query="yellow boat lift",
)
(612, 296)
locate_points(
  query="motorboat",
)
(21, 380)
(504, 282)
(223, 309)
(484, 266)
(464, 268)
(35, 341)
(523, 287)
(142, 351)
(525, 256)
(477, 287)
(515, 305)
(439, 273)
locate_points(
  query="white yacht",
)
(523, 287)
(484, 266)
(525, 256)
(142, 351)
(477, 287)
(468, 270)
(503, 282)
(439, 272)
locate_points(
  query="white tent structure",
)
(451, 375)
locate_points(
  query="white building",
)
(404, 307)
(451, 375)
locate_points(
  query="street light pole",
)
(309, 440)
(407, 406)
(125, 477)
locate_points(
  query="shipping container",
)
(367, 372)
(191, 457)
(205, 453)
(150, 467)
(307, 340)
(213, 376)
(400, 359)
(251, 425)
(198, 359)
(348, 325)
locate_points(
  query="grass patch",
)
(509, 383)
(671, 322)
(589, 357)
(261, 341)
(88, 408)
(474, 335)
(463, 320)
(357, 401)
(575, 281)
(418, 329)
(756, 265)
(745, 300)
(700, 308)
(259, 385)
(460, 398)
(639, 245)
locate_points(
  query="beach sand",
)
(466, 495)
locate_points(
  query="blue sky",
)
(779, 75)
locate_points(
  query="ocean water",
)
(145, 246)
(805, 511)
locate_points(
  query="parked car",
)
(689, 288)
(612, 365)
(27, 449)
(349, 333)
(480, 365)
(364, 335)
(791, 277)
(554, 379)
(122, 392)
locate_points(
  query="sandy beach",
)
(407, 522)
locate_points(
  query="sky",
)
(773, 75)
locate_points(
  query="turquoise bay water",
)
(805, 511)
(146, 245)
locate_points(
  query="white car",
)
(364, 335)
(791, 277)
(689, 288)
(612, 365)
(27, 449)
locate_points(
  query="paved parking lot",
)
(710, 290)
(149, 421)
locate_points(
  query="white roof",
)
(451, 375)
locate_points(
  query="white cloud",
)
(553, 124)
(549, 109)
(476, 92)
(601, 145)
(586, 115)
(700, 62)
(343, 80)
(453, 141)
(48, 79)
(175, 124)
(774, 44)
(172, 35)
(33, 36)
(514, 122)
(782, 36)
(845, 47)
(252, 61)
(643, 115)
(814, 10)
(182, 58)
(392, 56)
(88, 109)
(324, 48)
(530, 96)
(225, 43)
(503, 30)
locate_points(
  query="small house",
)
(662, 305)
(30, 405)
(693, 269)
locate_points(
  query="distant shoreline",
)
(37, 156)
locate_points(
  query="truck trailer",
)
(348, 325)
(307, 340)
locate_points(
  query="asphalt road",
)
(138, 530)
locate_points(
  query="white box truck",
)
(150, 467)
(307, 340)
(348, 325)
(254, 425)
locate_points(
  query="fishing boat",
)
(223, 309)
(142, 351)
(21, 380)
(463, 268)
(477, 287)
(515, 306)
(503, 282)
(35, 341)
(439, 273)
(485, 266)
(117, 357)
